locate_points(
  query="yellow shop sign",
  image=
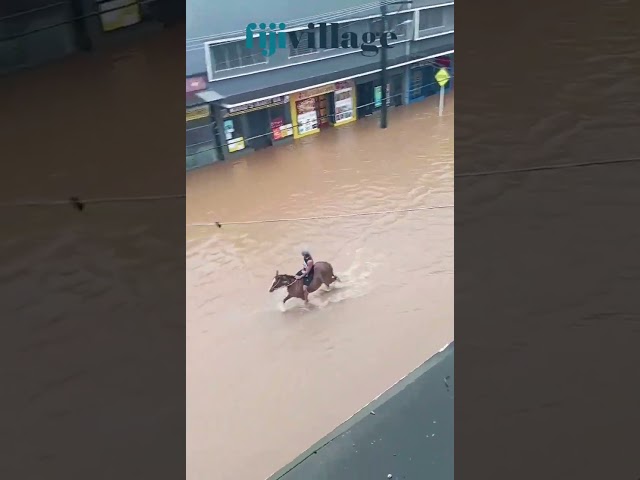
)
(201, 111)
(314, 92)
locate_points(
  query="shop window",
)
(343, 105)
(307, 110)
(431, 18)
(396, 25)
(393, 25)
(280, 121)
(303, 47)
(233, 129)
(344, 27)
(200, 136)
(375, 25)
(228, 55)
(415, 90)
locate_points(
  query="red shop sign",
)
(275, 128)
(443, 62)
(196, 84)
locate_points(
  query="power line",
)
(79, 204)
(34, 10)
(591, 163)
(321, 217)
(76, 18)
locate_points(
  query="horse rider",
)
(306, 274)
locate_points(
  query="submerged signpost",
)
(442, 77)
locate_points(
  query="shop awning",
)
(210, 96)
(230, 98)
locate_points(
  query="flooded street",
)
(265, 381)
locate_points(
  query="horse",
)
(322, 275)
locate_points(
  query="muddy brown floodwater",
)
(264, 382)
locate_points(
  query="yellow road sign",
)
(442, 77)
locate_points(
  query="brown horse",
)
(322, 275)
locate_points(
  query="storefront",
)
(370, 94)
(310, 110)
(343, 109)
(202, 147)
(421, 82)
(256, 125)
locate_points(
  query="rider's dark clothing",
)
(309, 276)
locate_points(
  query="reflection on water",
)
(265, 381)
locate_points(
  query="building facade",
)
(256, 101)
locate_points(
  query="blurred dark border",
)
(547, 315)
(92, 247)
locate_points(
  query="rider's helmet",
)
(305, 253)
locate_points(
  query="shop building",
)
(370, 93)
(320, 107)
(251, 126)
(431, 27)
(260, 101)
(421, 82)
(202, 147)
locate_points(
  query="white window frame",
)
(315, 51)
(212, 77)
(416, 22)
(237, 42)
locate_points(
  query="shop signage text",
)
(195, 113)
(314, 92)
(117, 14)
(196, 84)
(269, 102)
(273, 36)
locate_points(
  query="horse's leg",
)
(285, 299)
(305, 297)
(297, 291)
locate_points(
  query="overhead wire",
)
(335, 15)
(322, 217)
(558, 166)
(74, 19)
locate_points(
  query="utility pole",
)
(383, 59)
(81, 32)
(383, 68)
